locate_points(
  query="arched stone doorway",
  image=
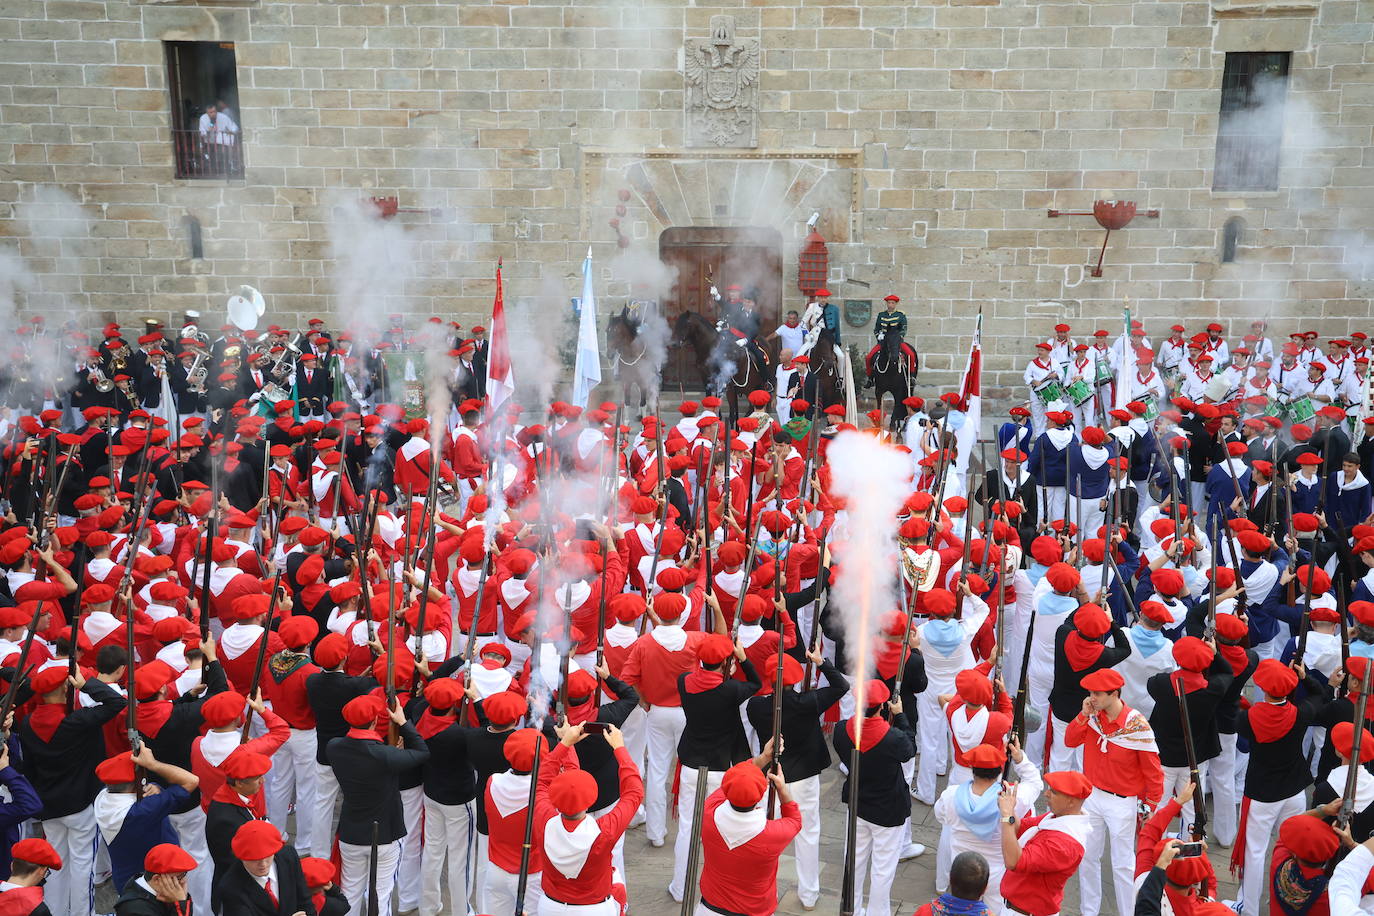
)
(702, 255)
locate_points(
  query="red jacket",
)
(744, 879)
(653, 670)
(1048, 859)
(212, 777)
(592, 882)
(283, 683)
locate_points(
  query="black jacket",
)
(884, 798)
(240, 894)
(1279, 769)
(369, 775)
(1067, 693)
(222, 821)
(447, 776)
(172, 743)
(593, 753)
(487, 755)
(328, 691)
(714, 735)
(1202, 707)
(804, 751)
(135, 901)
(62, 769)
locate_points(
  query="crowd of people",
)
(285, 646)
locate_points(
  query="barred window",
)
(207, 135)
(1250, 129)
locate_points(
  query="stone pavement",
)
(650, 869)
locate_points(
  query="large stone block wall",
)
(942, 132)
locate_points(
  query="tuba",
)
(281, 368)
(198, 373)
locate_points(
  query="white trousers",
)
(617, 851)
(686, 806)
(1054, 502)
(1175, 778)
(877, 852)
(608, 907)
(636, 733)
(353, 877)
(292, 778)
(1111, 820)
(1221, 782)
(806, 847)
(1261, 824)
(190, 827)
(1062, 757)
(70, 889)
(1093, 516)
(408, 867)
(449, 832)
(932, 737)
(498, 892)
(663, 728)
(322, 825)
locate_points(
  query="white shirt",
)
(791, 337)
(221, 130)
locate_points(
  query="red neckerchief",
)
(586, 711)
(1270, 721)
(701, 680)
(874, 730)
(45, 719)
(431, 724)
(1081, 652)
(888, 659)
(363, 734)
(152, 715)
(1235, 656)
(256, 805)
(1192, 681)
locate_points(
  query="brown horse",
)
(829, 381)
(637, 350)
(725, 370)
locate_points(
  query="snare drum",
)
(1105, 375)
(1050, 392)
(1079, 392)
(1300, 410)
(1151, 406)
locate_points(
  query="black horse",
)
(893, 374)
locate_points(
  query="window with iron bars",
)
(1250, 128)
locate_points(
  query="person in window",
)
(218, 137)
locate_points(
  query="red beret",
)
(318, 872)
(974, 687)
(36, 851)
(152, 676)
(1192, 654)
(245, 764)
(732, 553)
(986, 757)
(443, 693)
(938, 602)
(331, 650)
(715, 649)
(519, 749)
(1070, 783)
(1309, 838)
(574, 791)
(116, 770)
(1275, 678)
(223, 708)
(876, 693)
(792, 672)
(168, 859)
(1363, 612)
(1343, 737)
(1156, 611)
(1063, 578)
(299, 630)
(1094, 435)
(1231, 627)
(49, 679)
(364, 711)
(1305, 521)
(1321, 580)
(256, 840)
(505, 707)
(1046, 551)
(626, 607)
(744, 784)
(1092, 621)
(1103, 680)
(1167, 581)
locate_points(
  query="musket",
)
(601, 617)
(689, 888)
(1018, 709)
(987, 504)
(849, 878)
(431, 510)
(470, 649)
(1352, 773)
(78, 566)
(564, 662)
(22, 668)
(390, 686)
(749, 562)
(255, 685)
(906, 634)
(1212, 605)
(1342, 600)
(211, 532)
(658, 554)
(1305, 624)
(372, 902)
(54, 492)
(1271, 523)
(821, 583)
(1199, 807)
(525, 848)
(1173, 486)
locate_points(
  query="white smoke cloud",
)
(373, 261)
(873, 479)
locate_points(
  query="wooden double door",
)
(703, 256)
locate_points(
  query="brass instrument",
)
(197, 374)
(281, 368)
(99, 379)
(132, 396)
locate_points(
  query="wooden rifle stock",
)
(522, 883)
(255, 686)
(689, 888)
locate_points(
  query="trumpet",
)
(99, 379)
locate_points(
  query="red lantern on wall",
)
(813, 264)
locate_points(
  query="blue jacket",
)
(24, 804)
(1086, 482)
(1221, 491)
(1047, 463)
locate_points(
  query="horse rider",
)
(822, 319)
(890, 329)
(741, 318)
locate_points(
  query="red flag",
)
(500, 376)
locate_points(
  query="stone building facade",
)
(930, 139)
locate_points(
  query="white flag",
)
(587, 370)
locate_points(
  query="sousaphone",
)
(245, 308)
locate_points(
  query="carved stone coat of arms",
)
(722, 75)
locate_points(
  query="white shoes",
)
(913, 850)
